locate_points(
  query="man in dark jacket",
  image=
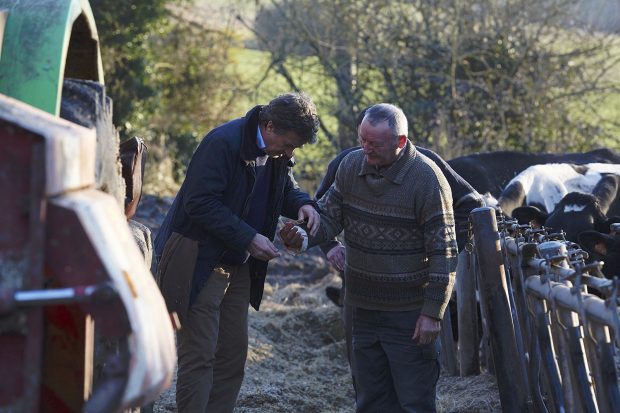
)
(218, 242)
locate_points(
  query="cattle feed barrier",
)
(467, 315)
(552, 341)
(495, 304)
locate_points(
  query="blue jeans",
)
(392, 374)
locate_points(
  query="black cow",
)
(490, 172)
(577, 212)
(603, 247)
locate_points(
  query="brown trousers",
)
(212, 344)
(175, 271)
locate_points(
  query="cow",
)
(603, 247)
(490, 172)
(545, 185)
(576, 211)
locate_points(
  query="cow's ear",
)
(594, 241)
(530, 214)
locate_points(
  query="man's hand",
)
(262, 249)
(336, 257)
(426, 330)
(291, 237)
(313, 219)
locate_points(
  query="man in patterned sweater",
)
(395, 207)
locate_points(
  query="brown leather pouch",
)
(133, 157)
(175, 272)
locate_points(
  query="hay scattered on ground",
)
(468, 394)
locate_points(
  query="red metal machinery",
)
(68, 264)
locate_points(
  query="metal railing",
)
(550, 319)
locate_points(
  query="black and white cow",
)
(544, 186)
(579, 198)
(490, 172)
(603, 247)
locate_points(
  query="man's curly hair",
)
(292, 112)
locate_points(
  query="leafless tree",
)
(471, 75)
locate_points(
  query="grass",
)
(253, 64)
(600, 109)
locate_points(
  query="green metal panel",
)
(34, 49)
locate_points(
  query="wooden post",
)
(486, 357)
(448, 349)
(494, 297)
(467, 311)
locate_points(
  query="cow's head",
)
(575, 213)
(605, 248)
(530, 215)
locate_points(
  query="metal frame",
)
(565, 333)
(42, 41)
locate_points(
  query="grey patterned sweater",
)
(399, 232)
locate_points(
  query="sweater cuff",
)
(434, 309)
(328, 246)
(437, 295)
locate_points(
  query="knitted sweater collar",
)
(395, 172)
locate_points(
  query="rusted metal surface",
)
(72, 259)
(21, 252)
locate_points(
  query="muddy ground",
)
(296, 359)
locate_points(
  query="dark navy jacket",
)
(214, 198)
(464, 196)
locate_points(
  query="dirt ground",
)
(297, 359)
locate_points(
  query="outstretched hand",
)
(312, 218)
